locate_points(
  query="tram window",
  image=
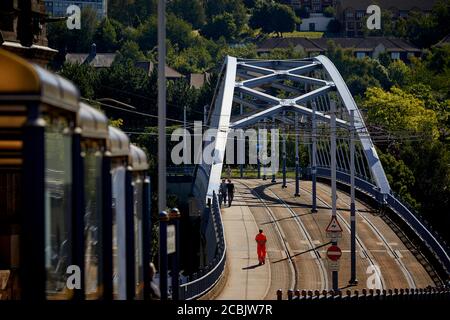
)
(58, 209)
(138, 241)
(119, 243)
(92, 221)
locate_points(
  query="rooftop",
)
(321, 44)
(424, 5)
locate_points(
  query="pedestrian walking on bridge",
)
(261, 240)
(223, 192)
(230, 190)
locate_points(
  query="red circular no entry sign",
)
(334, 253)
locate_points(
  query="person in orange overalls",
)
(261, 240)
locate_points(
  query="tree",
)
(129, 53)
(250, 3)
(65, 40)
(358, 73)
(105, 37)
(334, 26)
(282, 18)
(400, 177)
(429, 163)
(329, 12)
(235, 7)
(179, 32)
(84, 76)
(399, 73)
(147, 34)
(131, 12)
(222, 25)
(191, 11)
(302, 12)
(421, 29)
(400, 114)
(195, 59)
(358, 84)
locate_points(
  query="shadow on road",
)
(252, 267)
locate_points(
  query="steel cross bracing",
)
(313, 80)
(255, 85)
(269, 92)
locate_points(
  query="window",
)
(350, 25)
(119, 243)
(395, 55)
(359, 15)
(58, 206)
(312, 26)
(360, 55)
(138, 241)
(349, 14)
(93, 221)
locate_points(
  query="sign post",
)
(171, 246)
(334, 223)
(334, 253)
(334, 229)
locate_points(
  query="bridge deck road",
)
(261, 204)
(397, 259)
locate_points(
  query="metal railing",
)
(441, 294)
(204, 280)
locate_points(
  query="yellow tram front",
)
(38, 113)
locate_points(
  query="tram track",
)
(364, 251)
(282, 237)
(360, 243)
(409, 278)
(318, 258)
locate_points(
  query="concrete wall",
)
(320, 21)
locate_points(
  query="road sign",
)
(334, 253)
(334, 229)
(333, 265)
(171, 239)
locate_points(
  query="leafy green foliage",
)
(106, 37)
(129, 53)
(334, 26)
(282, 18)
(400, 177)
(235, 7)
(63, 39)
(222, 25)
(400, 113)
(83, 75)
(191, 11)
(409, 102)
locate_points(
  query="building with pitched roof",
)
(105, 60)
(361, 47)
(352, 13)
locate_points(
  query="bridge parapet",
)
(366, 295)
(203, 281)
(416, 223)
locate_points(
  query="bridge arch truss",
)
(255, 93)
